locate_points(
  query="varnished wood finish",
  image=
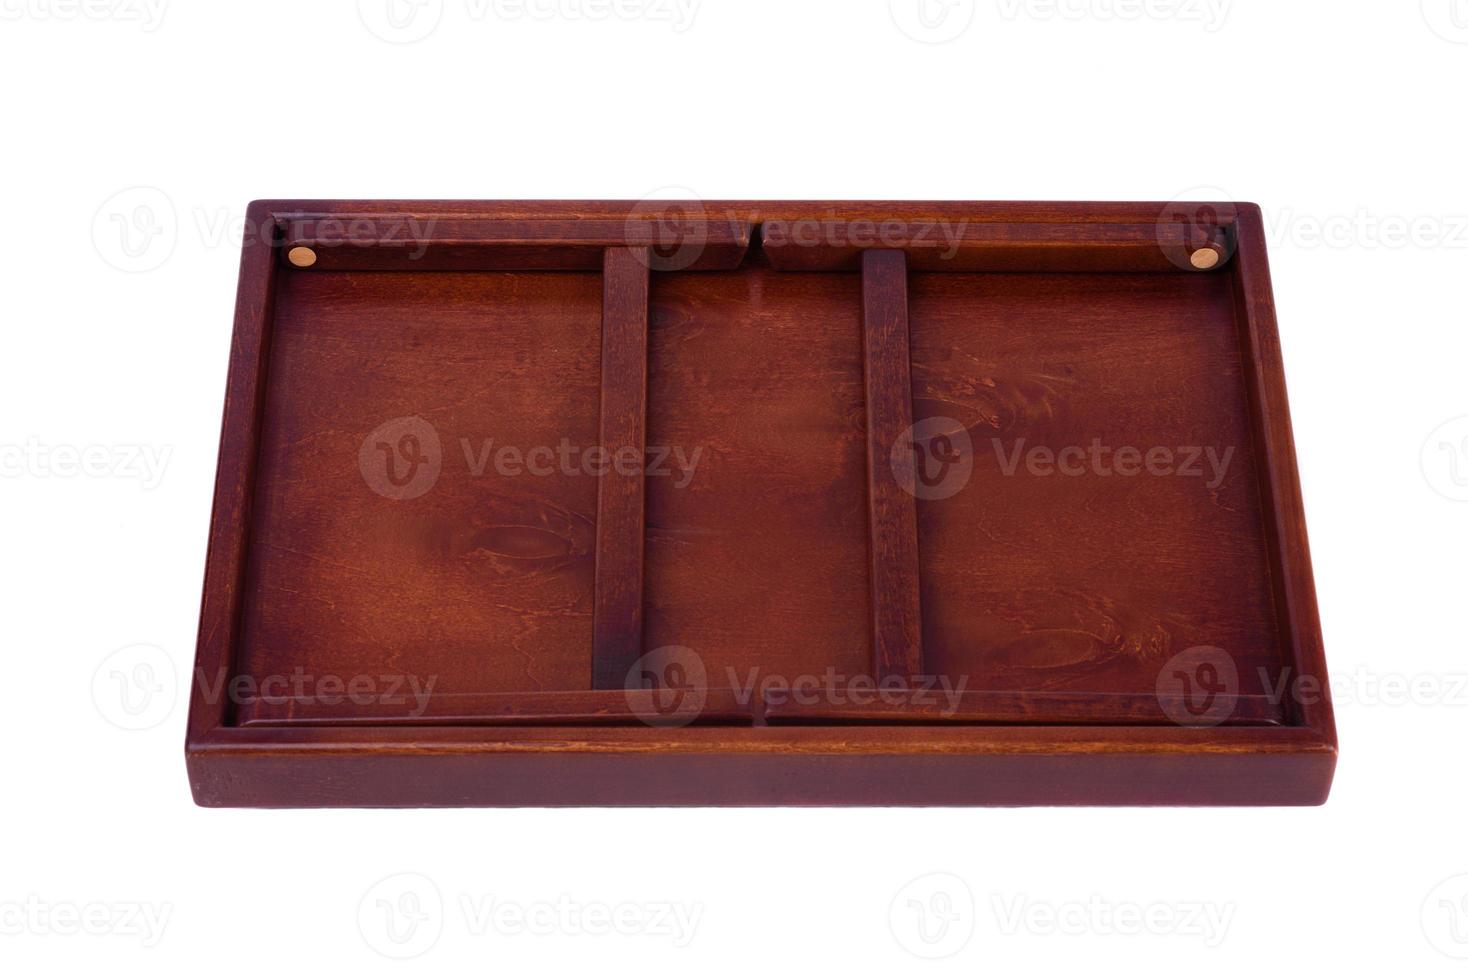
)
(772, 527)
(581, 707)
(432, 242)
(397, 613)
(616, 629)
(891, 506)
(964, 246)
(1041, 359)
(932, 707)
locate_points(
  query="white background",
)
(1344, 120)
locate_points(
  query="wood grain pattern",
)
(935, 706)
(616, 640)
(769, 525)
(1039, 363)
(229, 528)
(425, 243)
(932, 245)
(422, 590)
(1283, 504)
(891, 505)
(483, 581)
(579, 707)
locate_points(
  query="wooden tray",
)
(757, 503)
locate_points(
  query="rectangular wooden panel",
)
(616, 640)
(1062, 386)
(891, 503)
(400, 535)
(757, 503)
(758, 511)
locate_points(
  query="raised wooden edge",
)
(425, 243)
(635, 706)
(235, 477)
(616, 623)
(891, 506)
(934, 246)
(1282, 502)
(756, 211)
(883, 703)
(718, 766)
(930, 705)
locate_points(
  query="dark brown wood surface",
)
(418, 592)
(891, 506)
(616, 630)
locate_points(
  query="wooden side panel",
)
(787, 766)
(1283, 504)
(229, 527)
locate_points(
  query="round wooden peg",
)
(302, 257)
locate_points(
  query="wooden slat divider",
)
(891, 506)
(617, 604)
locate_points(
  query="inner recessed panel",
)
(756, 556)
(1108, 515)
(422, 511)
